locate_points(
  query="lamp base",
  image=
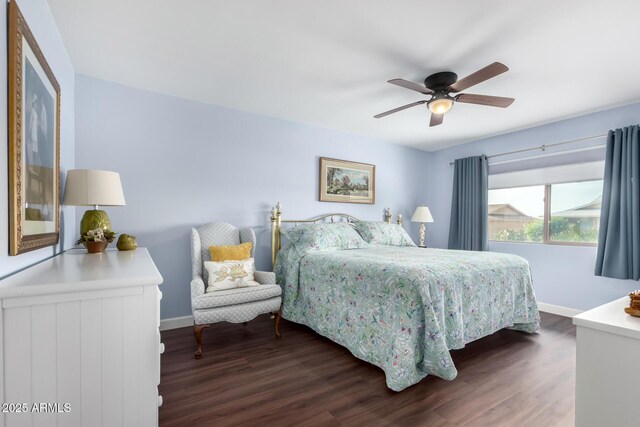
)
(93, 219)
(422, 234)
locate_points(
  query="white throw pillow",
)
(230, 274)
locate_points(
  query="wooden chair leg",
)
(197, 331)
(278, 316)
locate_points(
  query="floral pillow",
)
(323, 237)
(230, 274)
(382, 233)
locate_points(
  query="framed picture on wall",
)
(34, 142)
(347, 182)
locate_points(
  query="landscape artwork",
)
(347, 182)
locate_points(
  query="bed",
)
(403, 308)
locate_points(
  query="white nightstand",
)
(607, 366)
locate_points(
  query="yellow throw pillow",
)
(231, 253)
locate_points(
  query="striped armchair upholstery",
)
(231, 305)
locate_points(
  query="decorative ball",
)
(127, 242)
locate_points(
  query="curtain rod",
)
(555, 153)
(543, 147)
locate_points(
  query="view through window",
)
(573, 213)
(516, 214)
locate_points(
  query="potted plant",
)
(96, 241)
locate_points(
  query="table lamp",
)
(422, 215)
(88, 187)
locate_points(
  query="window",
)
(575, 212)
(516, 214)
(564, 213)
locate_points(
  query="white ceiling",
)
(327, 62)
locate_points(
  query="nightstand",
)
(607, 375)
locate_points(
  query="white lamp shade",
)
(87, 187)
(422, 214)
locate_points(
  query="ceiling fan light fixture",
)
(442, 85)
(440, 106)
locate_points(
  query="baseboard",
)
(176, 322)
(558, 309)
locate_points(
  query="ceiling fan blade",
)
(492, 101)
(411, 85)
(479, 76)
(395, 110)
(436, 119)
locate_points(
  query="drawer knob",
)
(159, 400)
(161, 348)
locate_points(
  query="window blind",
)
(576, 172)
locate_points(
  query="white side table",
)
(607, 366)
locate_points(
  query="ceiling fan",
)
(441, 85)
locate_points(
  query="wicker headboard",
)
(277, 221)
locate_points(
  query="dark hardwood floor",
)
(247, 377)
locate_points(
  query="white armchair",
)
(237, 305)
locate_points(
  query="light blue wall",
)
(40, 21)
(184, 163)
(563, 275)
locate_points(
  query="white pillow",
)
(230, 274)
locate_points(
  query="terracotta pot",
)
(96, 247)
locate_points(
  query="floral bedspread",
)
(404, 308)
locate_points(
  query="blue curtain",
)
(469, 204)
(619, 238)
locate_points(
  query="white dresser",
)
(80, 332)
(607, 366)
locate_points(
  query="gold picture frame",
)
(34, 142)
(345, 181)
